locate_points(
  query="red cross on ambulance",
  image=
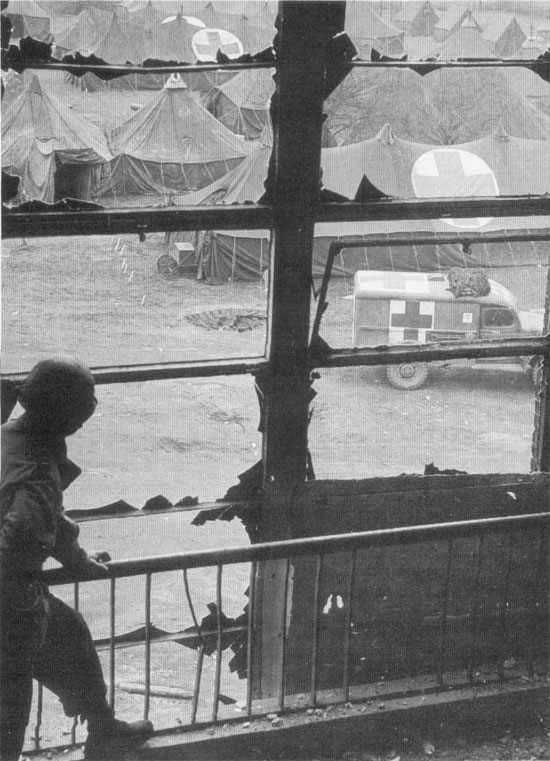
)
(410, 320)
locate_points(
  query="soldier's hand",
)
(93, 566)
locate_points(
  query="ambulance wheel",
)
(408, 376)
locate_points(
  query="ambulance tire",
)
(408, 376)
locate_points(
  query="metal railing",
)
(214, 638)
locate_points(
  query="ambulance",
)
(419, 307)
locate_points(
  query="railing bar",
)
(112, 644)
(180, 638)
(504, 609)
(349, 609)
(541, 569)
(201, 651)
(444, 613)
(147, 700)
(217, 676)
(39, 709)
(474, 609)
(250, 635)
(76, 605)
(283, 638)
(299, 547)
(192, 607)
(316, 627)
(197, 687)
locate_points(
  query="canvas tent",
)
(254, 30)
(464, 42)
(510, 41)
(241, 104)
(451, 19)
(85, 32)
(367, 30)
(417, 19)
(171, 145)
(28, 19)
(492, 166)
(119, 45)
(54, 151)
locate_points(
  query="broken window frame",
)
(260, 216)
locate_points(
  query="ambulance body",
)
(410, 307)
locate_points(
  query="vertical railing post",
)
(147, 701)
(76, 605)
(475, 610)
(316, 626)
(284, 613)
(201, 651)
(541, 572)
(504, 607)
(218, 672)
(349, 613)
(250, 636)
(442, 657)
(112, 611)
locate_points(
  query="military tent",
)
(464, 42)
(241, 104)
(54, 151)
(492, 166)
(451, 19)
(84, 33)
(118, 44)
(170, 40)
(532, 47)
(368, 30)
(510, 41)
(28, 19)
(106, 33)
(171, 145)
(417, 19)
(252, 29)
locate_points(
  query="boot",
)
(110, 738)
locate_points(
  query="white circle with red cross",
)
(453, 172)
(207, 42)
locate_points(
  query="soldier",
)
(40, 636)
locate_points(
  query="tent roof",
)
(249, 89)
(419, 15)
(391, 165)
(362, 21)
(464, 42)
(171, 41)
(511, 40)
(87, 29)
(118, 45)
(527, 82)
(455, 17)
(521, 119)
(26, 8)
(174, 128)
(38, 114)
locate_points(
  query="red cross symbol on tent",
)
(411, 319)
(453, 172)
